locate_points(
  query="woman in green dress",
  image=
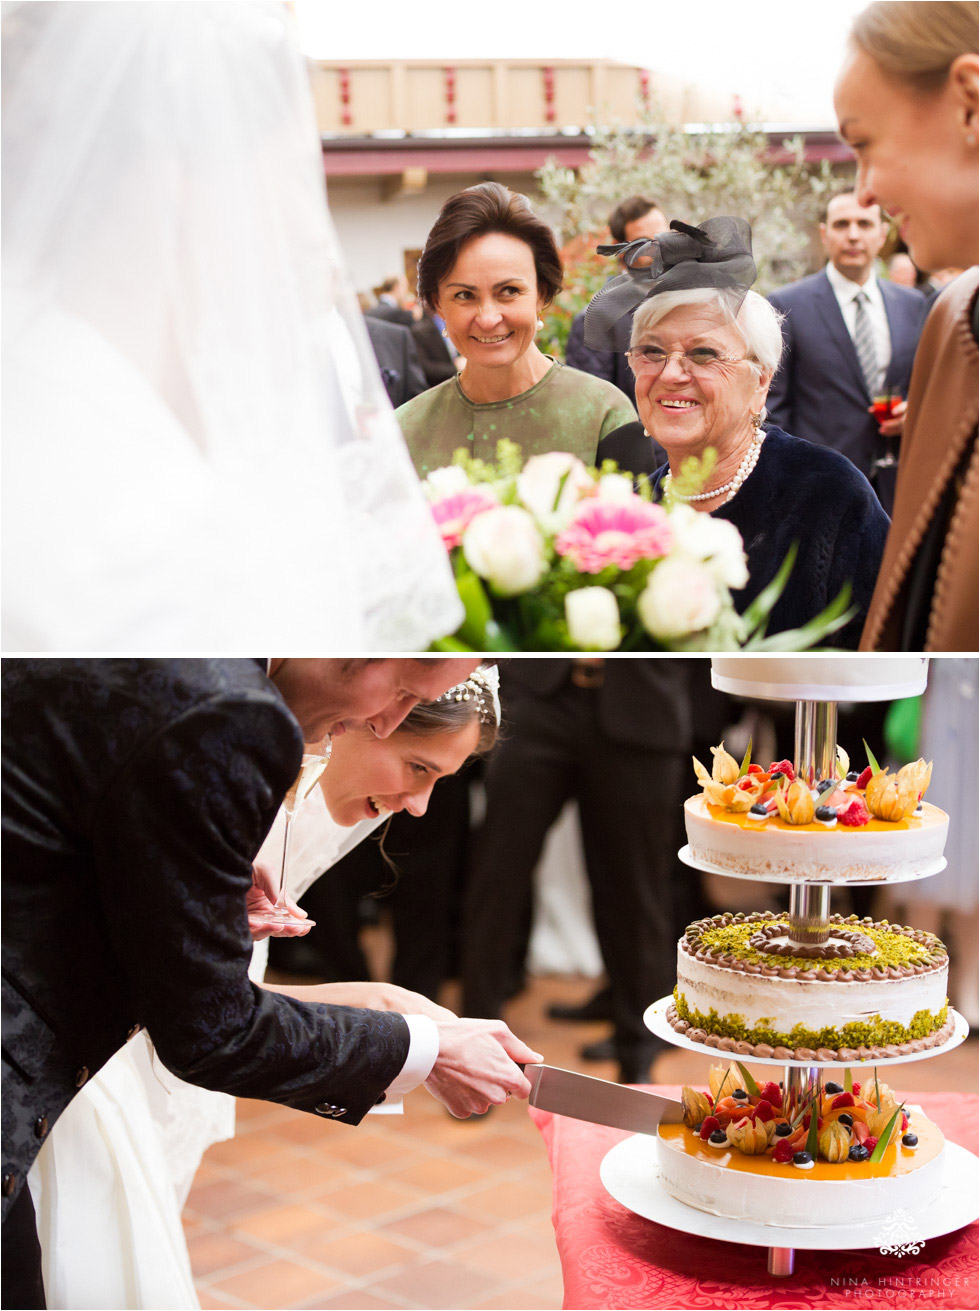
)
(489, 268)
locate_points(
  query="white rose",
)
(681, 597)
(614, 487)
(505, 547)
(445, 482)
(592, 615)
(538, 483)
(715, 542)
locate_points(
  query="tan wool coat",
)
(939, 445)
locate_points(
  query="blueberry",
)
(825, 812)
(719, 1136)
(802, 1158)
(739, 1093)
(783, 1130)
(858, 1153)
(775, 777)
(845, 1119)
(833, 1088)
(825, 783)
(909, 1139)
(758, 809)
(853, 776)
(697, 1129)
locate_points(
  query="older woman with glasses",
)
(704, 349)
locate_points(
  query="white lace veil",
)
(199, 452)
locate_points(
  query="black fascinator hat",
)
(716, 253)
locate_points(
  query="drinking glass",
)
(304, 783)
(883, 406)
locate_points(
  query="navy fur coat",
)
(798, 492)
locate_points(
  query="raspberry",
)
(854, 814)
(783, 1152)
(842, 1099)
(856, 1089)
(782, 767)
(864, 778)
(870, 1143)
(764, 1112)
(708, 1125)
(772, 1093)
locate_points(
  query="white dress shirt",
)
(845, 290)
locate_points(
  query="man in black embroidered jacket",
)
(135, 795)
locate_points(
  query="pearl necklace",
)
(749, 461)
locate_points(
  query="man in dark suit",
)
(135, 796)
(390, 302)
(847, 338)
(394, 349)
(613, 735)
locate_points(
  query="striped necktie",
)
(864, 343)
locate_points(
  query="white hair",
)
(756, 320)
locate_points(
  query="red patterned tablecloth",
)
(612, 1258)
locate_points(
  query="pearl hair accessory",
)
(749, 461)
(482, 686)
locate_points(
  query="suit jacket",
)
(437, 363)
(926, 597)
(631, 688)
(394, 349)
(135, 795)
(819, 391)
(392, 313)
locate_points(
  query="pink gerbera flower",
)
(454, 513)
(606, 533)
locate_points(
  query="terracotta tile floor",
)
(413, 1211)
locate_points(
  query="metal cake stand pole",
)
(815, 752)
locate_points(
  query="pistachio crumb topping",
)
(892, 946)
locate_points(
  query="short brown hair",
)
(477, 212)
(917, 43)
(628, 211)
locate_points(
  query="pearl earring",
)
(540, 324)
(445, 333)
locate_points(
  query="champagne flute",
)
(883, 407)
(304, 783)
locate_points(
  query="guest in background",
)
(906, 99)
(392, 302)
(847, 337)
(437, 354)
(489, 267)
(613, 735)
(394, 349)
(902, 271)
(704, 348)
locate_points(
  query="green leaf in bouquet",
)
(691, 478)
(757, 614)
(476, 626)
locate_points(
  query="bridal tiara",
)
(483, 685)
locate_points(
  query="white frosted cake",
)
(820, 678)
(871, 990)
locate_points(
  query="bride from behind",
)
(110, 1182)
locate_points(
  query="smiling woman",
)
(489, 268)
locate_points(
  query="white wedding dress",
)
(110, 1182)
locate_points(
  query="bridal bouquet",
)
(550, 555)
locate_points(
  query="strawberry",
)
(864, 778)
(772, 1093)
(860, 1131)
(905, 1122)
(842, 1099)
(782, 767)
(746, 784)
(783, 1152)
(755, 769)
(708, 1125)
(854, 814)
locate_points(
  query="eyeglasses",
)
(699, 362)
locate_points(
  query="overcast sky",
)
(777, 50)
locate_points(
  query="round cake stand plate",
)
(767, 876)
(629, 1173)
(655, 1018)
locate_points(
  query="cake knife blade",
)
(580, 1096)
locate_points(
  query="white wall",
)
(374, 233)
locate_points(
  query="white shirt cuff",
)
(423, 1049)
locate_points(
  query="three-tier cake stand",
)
(815, 758)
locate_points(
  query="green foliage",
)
(696, 175)
(582, 280)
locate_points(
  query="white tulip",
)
(538, 484)
(614, 487)
(505, 547)
(444, 482)
(715, 542)
(681, 597)
(592, 615)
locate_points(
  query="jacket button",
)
(133, 1032)
(9, 1185)
(40, 1126)
(81, 1077)
(328, 1109)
